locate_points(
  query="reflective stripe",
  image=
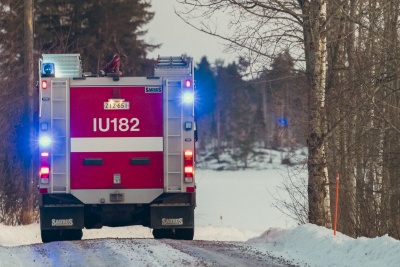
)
(116, 144)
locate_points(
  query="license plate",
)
(116, 197)
(116, 105)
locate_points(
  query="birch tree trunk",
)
(350, 138)
(314, 30)
(390, 183)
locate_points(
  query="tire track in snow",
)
(229, 254)
(105, 252)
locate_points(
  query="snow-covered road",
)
(138, 252)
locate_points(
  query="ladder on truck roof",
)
(173, 70)
(60, 127)
(173, 145)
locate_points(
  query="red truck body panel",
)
(132, 176)
(109, 130)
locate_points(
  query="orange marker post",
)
(336, 204)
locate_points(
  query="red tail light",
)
(44, 84)
(190, 189)
(43, 190)
(188, 171)
(45, 168)
(44, 172)
(188, 166)
(188, 154)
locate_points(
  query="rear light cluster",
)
(188, 166)
(44, 168)
(44, 140)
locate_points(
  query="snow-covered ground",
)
(232, 206)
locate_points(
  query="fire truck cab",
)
(116, 151)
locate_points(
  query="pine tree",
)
(235, 113)
(286, 102)
(205, 102)
(14, 132)
(205, 88)
(96, 30)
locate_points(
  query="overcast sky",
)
(178, 38)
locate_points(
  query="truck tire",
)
(179, 234)
(72, 234)
(163, 233)
(61, 235)
(184, 233)
(50, 235)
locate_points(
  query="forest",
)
(327, 79)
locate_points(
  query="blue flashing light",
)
(283, 122)
(45, 141)
(188, 97)
(48, 70)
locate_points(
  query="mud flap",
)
(62, 217)
(172, 217)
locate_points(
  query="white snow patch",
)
(232, 206)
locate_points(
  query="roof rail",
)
(174, 67)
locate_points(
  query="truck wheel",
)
(50, 235)
(184, 233)
(61, 235)
(71, 234)
(92, 221)
(162, 233)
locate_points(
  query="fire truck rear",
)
(116, 151)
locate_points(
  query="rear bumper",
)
(105, 196)
(168, 210)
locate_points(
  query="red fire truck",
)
(116, 151)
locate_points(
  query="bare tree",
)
(351, 54)
(264, 29)
(27, 213)
(17, 196)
